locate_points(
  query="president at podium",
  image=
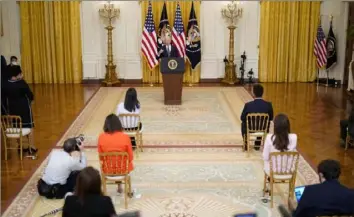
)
(172, 69)
(168, 49)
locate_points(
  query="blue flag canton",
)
(320, 34)
(149, 22)
(178, 21)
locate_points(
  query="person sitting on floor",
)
(131, 105)
(114, 140)
(329, 198)
(282, 140)
(63, 167)
(347, 127)
(88, 198)
(258, 105)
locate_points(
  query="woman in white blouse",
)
(282, 140)
(131, 105)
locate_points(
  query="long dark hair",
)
(131, 101)
(281, 132)
(112, 124)
(88, 182)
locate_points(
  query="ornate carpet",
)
(192, 166)
(208, 116)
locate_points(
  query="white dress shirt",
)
(128, 123)
(269, 148)
(60, 165)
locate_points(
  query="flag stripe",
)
(149, 39)
(320, 50)
(178, 37)
(179, 43)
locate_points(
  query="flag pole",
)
(151, 83)
(327, 72)
(318, 77)
(190, 77)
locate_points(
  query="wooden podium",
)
(172, 69)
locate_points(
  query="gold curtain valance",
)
(154, 76)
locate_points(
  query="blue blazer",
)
(326, 199)
(256, 106)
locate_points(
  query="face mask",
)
(14, 63)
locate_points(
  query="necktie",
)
(168, 50)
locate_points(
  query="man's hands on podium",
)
(160, 52)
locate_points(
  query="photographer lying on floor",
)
(59, 176)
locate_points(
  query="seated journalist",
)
(328, 198)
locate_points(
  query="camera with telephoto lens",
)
(79, 140)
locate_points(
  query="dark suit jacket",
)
(93, 206)
(173, 53)
(256, 106)
(326, 199)
(4, 74)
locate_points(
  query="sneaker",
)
(68, 194)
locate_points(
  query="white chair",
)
(11, 127)
(131, 124)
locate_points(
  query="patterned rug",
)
(208, 116)
(199, 175)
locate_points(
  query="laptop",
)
(298, 192)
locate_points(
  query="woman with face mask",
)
(13, 61)
(20, 97)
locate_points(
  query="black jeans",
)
(132, 139)
(57, 191)
(343, 129)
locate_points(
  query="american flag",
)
(178, 37)
(320, 49)
(149, 40)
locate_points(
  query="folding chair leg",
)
(264, 184)
(137, 146)
(104, 185)
(21, 148)
(126, 192)
(130, 185)
(271, 192)
(5, 142)
(141, 142)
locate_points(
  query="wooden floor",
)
(55, 108)
(314, 116)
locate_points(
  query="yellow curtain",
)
(51, 41)
(287, 35)
(154, 76)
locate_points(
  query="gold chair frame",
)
(257, 125)
(11, 128)
(279, 174)
(348, 141)
(116, 177)
(132, 119)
